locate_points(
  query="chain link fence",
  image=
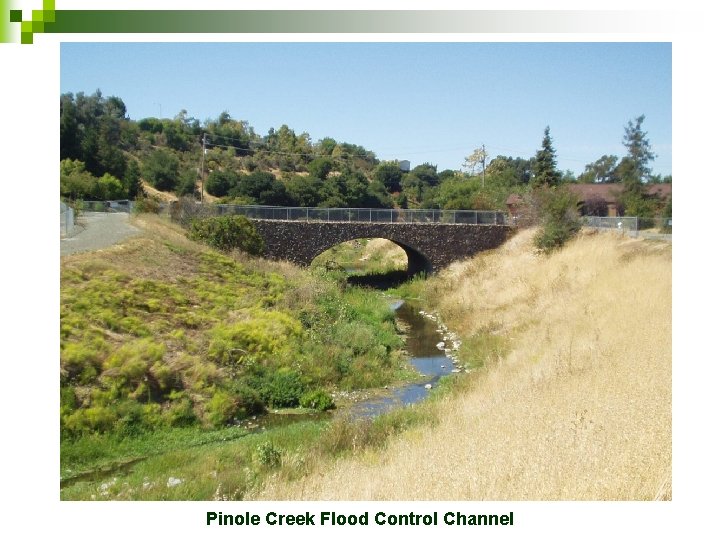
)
(632, 226)
(365, 215)
(67, 220)
(106, 206)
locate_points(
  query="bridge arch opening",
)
(379, 255)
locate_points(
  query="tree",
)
(132, 179)
(477, 157)
(545, 168)
(187, 184)
(559, 217)
(320, 167)
(427, 174)
(510, 171)
(219, 183)
(263, 187)
(75, 181)
(110, 188)
(389, 175)
(161, 169)
(236, 135)
(69, 132)
(634, 171)
(636, 165)
(304, 190)
(603, 170)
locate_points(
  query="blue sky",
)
(425, 102)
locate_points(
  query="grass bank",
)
(572, 400)
(167, 345)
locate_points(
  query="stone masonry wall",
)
(430, 247)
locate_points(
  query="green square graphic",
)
(38, 27)
(48, 16)
(49, 5)
(16, 15)
(26, 27)
(26, 38)
(37, 15)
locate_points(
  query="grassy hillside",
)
(571, 395)
(167, 345)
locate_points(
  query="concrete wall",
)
(429, 247)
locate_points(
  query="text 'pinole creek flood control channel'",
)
(363, 519)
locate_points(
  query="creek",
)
(426, 341)
(422, 337)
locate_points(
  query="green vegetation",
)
(171, 342)
(227, 233)
(559, 220)
(106, 155)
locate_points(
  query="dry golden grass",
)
(388, 254)
(578, 409)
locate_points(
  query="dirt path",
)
(99, 230)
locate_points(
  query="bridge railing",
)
(366, 215)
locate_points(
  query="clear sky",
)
(424, 102)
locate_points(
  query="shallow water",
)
(422, 338)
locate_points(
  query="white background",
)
(29, 278)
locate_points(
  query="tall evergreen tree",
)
(634, 171)
(635, 167)
(545, 171)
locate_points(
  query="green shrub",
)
(318, 400)
(82, 362)
(265, 334)
(135, 418)
(146, 205)
(68, 400)
(283, 389)
(128, 370)
(267, 455)
(180, 413)
(559, 218)
(227, 233)
(221, 408)
(92, 419)
(249, 400)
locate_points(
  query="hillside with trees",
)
(106, 155)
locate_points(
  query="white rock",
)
(441, 345)
(172, 481)
(428, 386)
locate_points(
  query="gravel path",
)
(99, 230)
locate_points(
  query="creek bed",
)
(422, 339)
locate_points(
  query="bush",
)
(283, 389)
(263, 335)
(318, 400)
(219, 183)
(558, 217)
(146, 205)
(221, 408)
(180, 413)
(267, 455)
(227, 233)
(161, 169)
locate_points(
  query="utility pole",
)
(484, 155)
(202, 169)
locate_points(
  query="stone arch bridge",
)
(432, 239)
